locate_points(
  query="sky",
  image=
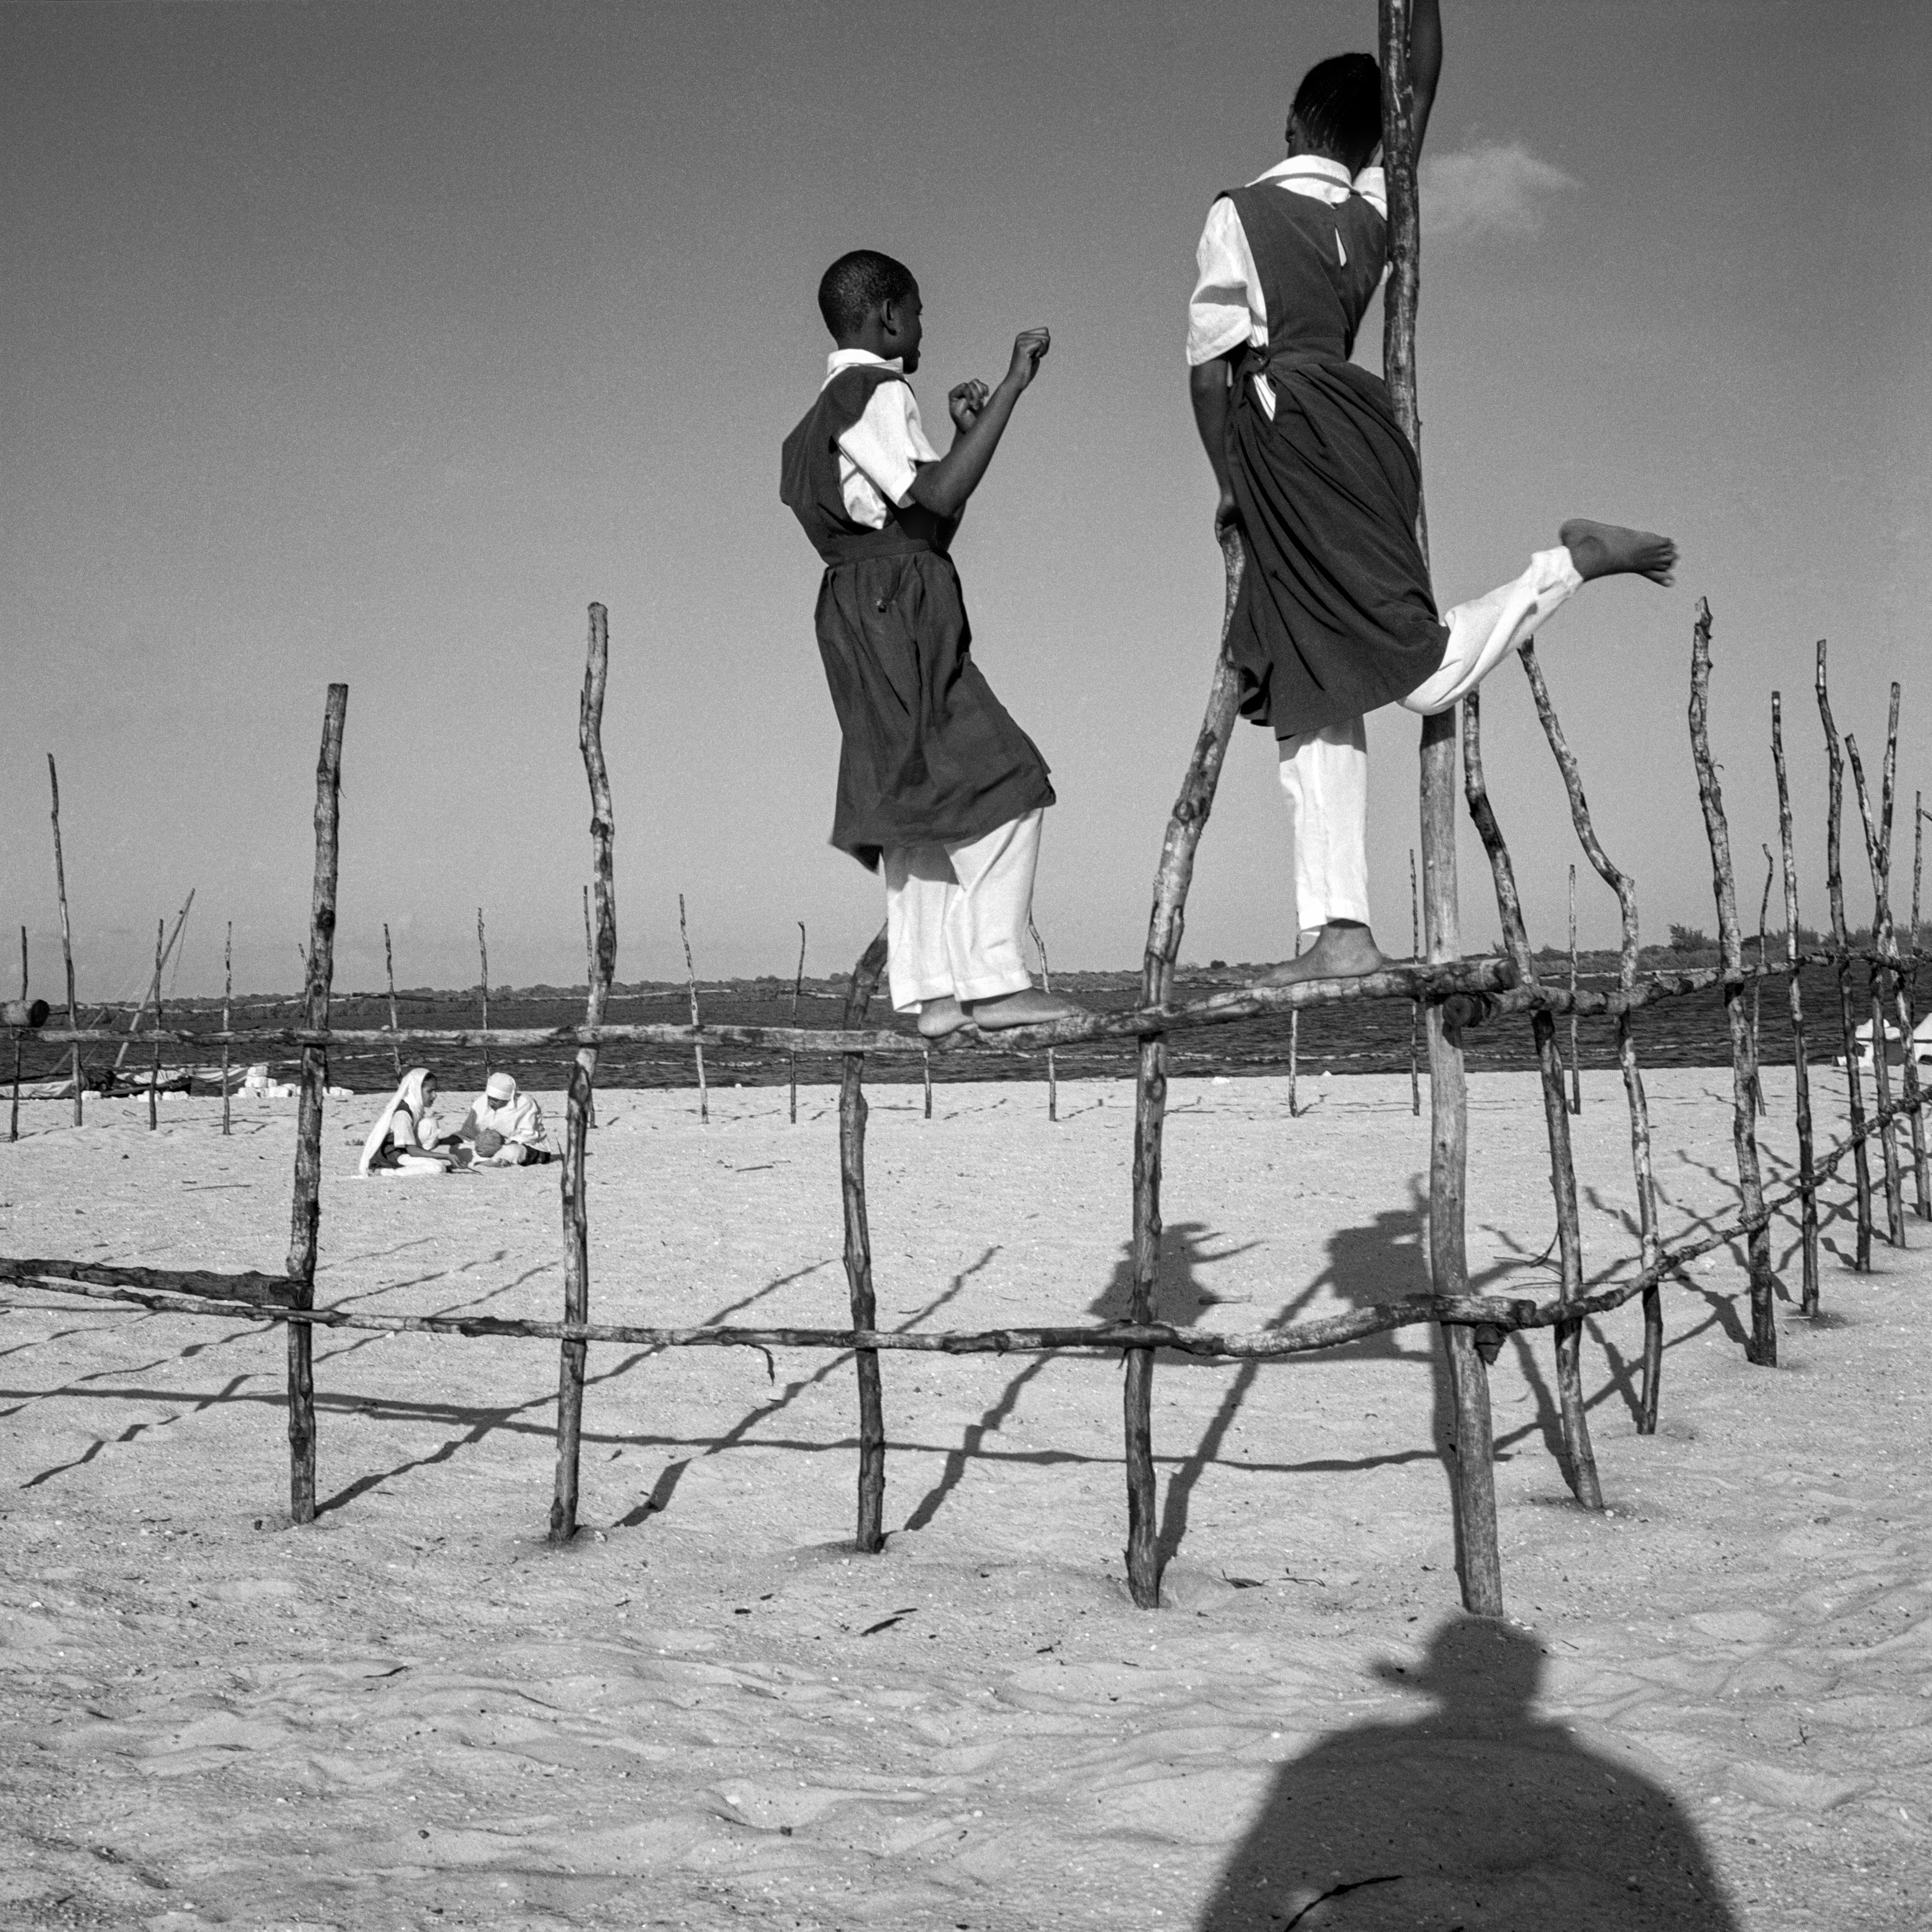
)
(372, 342)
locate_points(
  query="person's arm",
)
(1425, 61)
(944, 487)
(1208, 391)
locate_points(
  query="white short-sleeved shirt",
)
(1228, 308)
(879, 456)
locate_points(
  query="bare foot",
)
(1341, 952)
(938, 1017)
(1031, 1008)
(1608, 550)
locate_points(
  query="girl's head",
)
(869, 300)
(1338, 111)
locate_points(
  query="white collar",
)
(860, 358)
(1316, 167)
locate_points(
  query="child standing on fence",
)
(937, 784)
(1336, 615)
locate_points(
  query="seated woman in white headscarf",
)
(407, 1137)
(505, 1126)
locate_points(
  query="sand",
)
(1714, 1708)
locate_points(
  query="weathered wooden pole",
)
(1573, 1413)
(1895, 1192)
(797, 989)
(66, 935)
(1757, 985)
(395, 1023)
(858, 1242)
(483, 956)
(572, 1355)
(1625, 888)
(1922, 1178)
(1834, 887)
(1884, 944)
(1165, 923)
(1575, 1052)
(1478, 1564)
(227, 1000)
(1762, 1347)
(691, 981)
(155, 1067)
(305, 1213)
(13, 1116)
(152, 996)
(1801, 1070)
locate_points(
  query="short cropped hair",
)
(857, 283)
(1339, 106)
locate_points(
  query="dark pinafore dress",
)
(929, 752)
(1336, 615)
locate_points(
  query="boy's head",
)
(871, 302)
(1338, 110)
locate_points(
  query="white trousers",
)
(956, 915)
(1324, 774)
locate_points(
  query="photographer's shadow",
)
(1478, 1814)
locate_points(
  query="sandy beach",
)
(1713, 1708)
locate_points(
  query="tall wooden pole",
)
(1046, 986)
(1478, 1564)
(13, 1116)
(1835, 891)
(1165, 922)
(573, 1355)
(66, 935)
(483, 958)
(1801, 1070)
(871, 1537)
(1415, 1006)
(152, 996)
(395, 1024)
(691, 981)
(797, 989)
(305, 1214)
(1761, 1348)
(227, 1000)
(1575, 1052)
(155, 1067)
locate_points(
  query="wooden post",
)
(691, 980)
(395, 1024)
(1911, 981)
(1573, 1415)
(305, 1213)
(852, 1111)
(227, 1000)
(797, 988)
(1801, 1070)
(1046, 985)
(1625, 889)
(1165, 923)
(483, 955)
(925, 1079)
(1921, 1180)
(1295, 1049)
(13, 1117)
(155, 1067)
(1834, 887)
(1576, 1052)
(152, 996)
(1878, 853)
(67, 936)
(1757, 985)
(1762, 1346)
(1478, 1565)
(1414, 1006)
(572, 1354)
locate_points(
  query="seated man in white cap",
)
(505, 1126)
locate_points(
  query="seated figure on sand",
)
(407, 1137)
(505, 1126)
(1336, 614)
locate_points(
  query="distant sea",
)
(1370, 1036)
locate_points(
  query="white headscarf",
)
(408, 1098)
(517, 1118)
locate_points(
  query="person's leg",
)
(1482, 631)
(1324, 777)
(920, 886)
(986, 926)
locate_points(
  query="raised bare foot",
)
(1030, 1008)
(938, 1017)
(1341, 952)
(1608, 550)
